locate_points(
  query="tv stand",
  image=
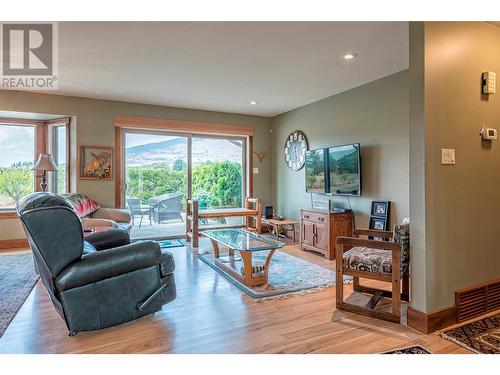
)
(319, 230)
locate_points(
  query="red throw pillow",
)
(82, 204)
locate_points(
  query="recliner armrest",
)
(104, 264)
(109, 239)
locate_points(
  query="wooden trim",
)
(433, 321)
(68, 156)
(20, 121)
(8, 214)
(21, 243)
(40, 148)
(194, 127)
(250, 165)
(118, 167)
(58, 121)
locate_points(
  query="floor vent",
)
(477, 300)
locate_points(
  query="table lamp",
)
(44, 163)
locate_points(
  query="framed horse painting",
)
(95, 162)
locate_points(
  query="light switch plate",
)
(256, 171)
(447, 156)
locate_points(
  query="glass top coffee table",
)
(245, 243)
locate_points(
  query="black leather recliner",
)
(96, 282)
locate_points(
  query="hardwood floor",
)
(212, 316)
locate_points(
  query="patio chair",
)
(136, 208)
(166, 207)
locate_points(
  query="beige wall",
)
(94, 125)
(375, 115)
(461, 202)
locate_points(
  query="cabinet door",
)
(307, 233)
(321, 236)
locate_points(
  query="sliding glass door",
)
(218, 165)
(156, 183)
(163, 169)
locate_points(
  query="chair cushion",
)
(368, 259)
(402, 236)
(82, 204)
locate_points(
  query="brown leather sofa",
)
(93, 215)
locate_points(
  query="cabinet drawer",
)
(315, 217)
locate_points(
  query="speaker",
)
(268, 212)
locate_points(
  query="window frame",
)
(41, 145)
(189, 137)
(52, 144)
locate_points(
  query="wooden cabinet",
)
(319, 230)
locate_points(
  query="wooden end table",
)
(278, 224)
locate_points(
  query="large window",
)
(17, 154)
(163, 169)
(21, 142)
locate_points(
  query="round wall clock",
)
(295, 150)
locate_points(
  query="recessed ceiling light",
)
(349, 56)
(253, 102)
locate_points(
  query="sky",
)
(16, 144)
(134, 139)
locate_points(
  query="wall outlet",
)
(256, 171)
(447, 156)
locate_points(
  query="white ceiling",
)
(222, 66)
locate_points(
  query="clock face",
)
(295, 150)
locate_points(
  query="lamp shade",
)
(45, 162)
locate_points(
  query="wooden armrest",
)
(384, 245)
(373, 232)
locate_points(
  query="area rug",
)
(481, 336)
(288, 276)
(167, 244)
(17, 279)
(416, 349)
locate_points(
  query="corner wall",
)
(375, 115)
(462, 201)
(95, 126)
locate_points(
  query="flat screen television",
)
(344, 170)
(316, 171)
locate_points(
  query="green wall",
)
(376, 116)
(459, 206)
(94, 125)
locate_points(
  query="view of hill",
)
(167, 152)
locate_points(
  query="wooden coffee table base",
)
(232, 265)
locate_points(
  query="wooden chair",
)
(386, 261)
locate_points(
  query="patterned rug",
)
(481, 336)
(416, 349)
(17, 279)
(167, 244)
(288, 276)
